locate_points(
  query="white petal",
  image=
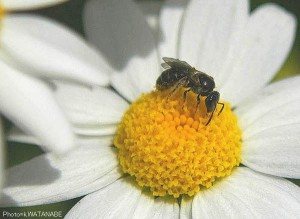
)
(30, 104)
(270, 122)
(123, 199)
(117, 200)
(170, 24)
(209, 28)
(279, 94)
(259, 52)
(93, 112)
(139, 76)
(48, 49)
(186, 207)
(151, 10)
(102, 132)
(90, 107)
(1, 156)
(119, 30)
(47, 178)
(163, 208)
(149, 207)
(274, 151)
(248, 194)
(12, 5)
(96, 131)
(282, 113)
(16, 135)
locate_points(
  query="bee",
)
(179, 73)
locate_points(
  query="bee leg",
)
(184, 96)
(211, 115)
(181, 82)
(223, 105)
(198, 102)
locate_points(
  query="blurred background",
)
(70, 14)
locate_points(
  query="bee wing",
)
(165, 65)
(175, 63)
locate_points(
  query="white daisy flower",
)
(35, 48)
(173, 164)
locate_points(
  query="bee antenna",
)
(211, 115)
(223, 105)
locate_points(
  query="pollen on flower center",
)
(165, 144)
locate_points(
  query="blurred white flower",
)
(242, 52)
(35, 49)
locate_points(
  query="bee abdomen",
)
(168, 78)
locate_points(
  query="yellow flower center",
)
(165, 144)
